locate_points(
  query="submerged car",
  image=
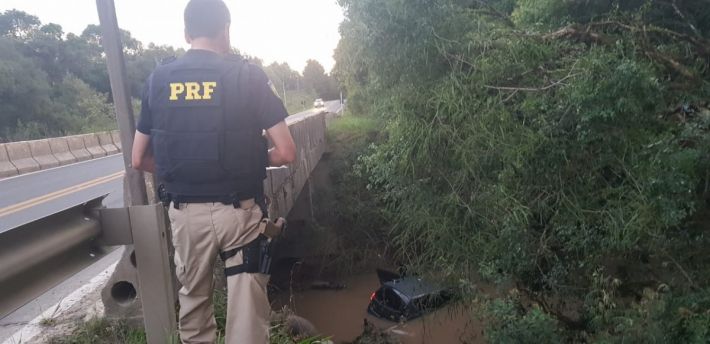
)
(319, 103)
(405, 298)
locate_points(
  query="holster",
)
(256, 255)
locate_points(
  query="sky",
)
(273, 30)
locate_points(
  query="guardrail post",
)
(150, 239)
(146, 227)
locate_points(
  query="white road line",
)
(85, 162)
(34, 327)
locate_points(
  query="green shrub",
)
(509, 324)
(540, 142)
(659, 318)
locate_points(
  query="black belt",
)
(207, 199)
(232, 199)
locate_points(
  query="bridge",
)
(47, 235)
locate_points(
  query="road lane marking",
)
(60, 193)
(35, 327)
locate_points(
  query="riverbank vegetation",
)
(559, 149)
(343, 205)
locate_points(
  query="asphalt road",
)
(29, 197)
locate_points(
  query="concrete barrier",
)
(106, 142)
(21, 157)
(7, 169)
(78, 148)
(91, 141)
(116, 137)
(60, 150)
(43, 154)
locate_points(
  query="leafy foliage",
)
(537, 142)
(55, 84)
(343, 205)
(508, 324)
(314, 77)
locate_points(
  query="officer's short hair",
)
(206, 18)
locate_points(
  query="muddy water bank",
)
(340, 314)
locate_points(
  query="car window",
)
(429, 302)
(392, 299)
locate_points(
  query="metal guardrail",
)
(25, 248)
(29, 245)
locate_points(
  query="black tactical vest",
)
(206, 141)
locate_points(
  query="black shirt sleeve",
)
(270, 108)
(145, 121)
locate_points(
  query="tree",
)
(52, 30)
(315, 78)
(24, 90)
(47, 47)
(41, 89)
(18, 24)
(131, 46)
(283, 75)
(84, 59)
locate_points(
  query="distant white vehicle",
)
(318, 103)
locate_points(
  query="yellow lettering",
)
(193, 91)
(209, 87)
(175, 89)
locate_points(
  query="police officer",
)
(200, 131)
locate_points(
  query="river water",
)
(340, 314)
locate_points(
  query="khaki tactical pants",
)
(200, 231)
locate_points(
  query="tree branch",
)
(671, 63)
(574, 32)
(587, 35)
(533, 89)
(682, 16)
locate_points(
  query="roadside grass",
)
(105, 331)
(102, 331)
(48, 322)
(351, 129)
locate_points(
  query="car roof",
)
(413, 287)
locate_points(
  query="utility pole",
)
(134, 184)
(283, 85)
(144, 226)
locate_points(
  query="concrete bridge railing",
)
(22, 157)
